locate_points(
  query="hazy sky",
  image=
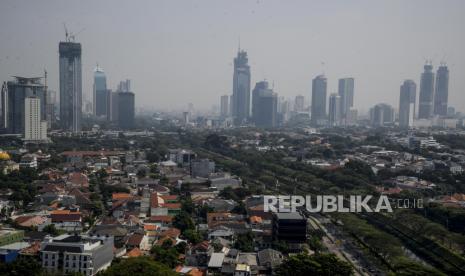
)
(177, 52)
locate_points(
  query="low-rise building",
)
(73, 253)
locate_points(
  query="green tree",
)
(320, 264)
(138, 266)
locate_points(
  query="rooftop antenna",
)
(323, 67)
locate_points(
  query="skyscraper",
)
(407, 99)
(35, 129)
(125, 105)
(299, 103)
(70, 86)
(441, 94)
(334, 109)
(3, 106)
(241, 88)
(102, 102)
(264, 105)
(425, 110)
(224, 105)
(15, 94)
(346, 92)
(319, 85)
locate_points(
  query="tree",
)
(138, 266)
(51, 229)
(244, 242)
(22, 266)
(167, 256)
(192, 235)
(320, 264)
(183, 221)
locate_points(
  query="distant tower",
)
(346, 92)
(241, 88)
(318, 112)
(70, 86)
(425, 110)
(102, 96)
(125, 105)
(15, 94)
(299, 104)
(264, 105)
(407, 99)
(441, 94)
(381, 114)
(334, 109)
(224, 106)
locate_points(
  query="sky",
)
(176, 52)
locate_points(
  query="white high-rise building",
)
(35, 129)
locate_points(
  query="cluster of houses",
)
(68, 230)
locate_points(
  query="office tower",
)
(334, 109)
(114, 106)
(35, 129)
(299, 104)
(224, 106)
(14, 95)
(102, 96)
(125, 107)
(3, 106)
(346, 92)
(318, 112)
(70, 86)
(381, 114)
(407, 99)
(442, 90)
(425, 110)
(264, 105)
(241, 88)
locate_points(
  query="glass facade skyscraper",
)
(407, 102)
(241, 88)
(70, 86)
(425, 110)
(441, 94)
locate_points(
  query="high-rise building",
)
(407, 99)
(3, 106)
(441, 94)
(381, 114)
(224, 106)
(241, 88)
(346, 92)
(299, 104)
(125, 105)
(318, 112)
(14, 95)
(334, 109)
(35, 129)
(425, 110)
(264, 105)
(102, 96)
(70, 86)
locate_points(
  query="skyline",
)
(365, 42)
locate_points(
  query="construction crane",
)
(70, 37)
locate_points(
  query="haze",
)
(176, 52)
